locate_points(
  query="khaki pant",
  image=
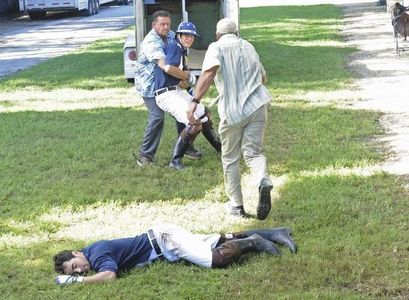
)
(245, 137)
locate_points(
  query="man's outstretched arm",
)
(96, 278)
(203, 84)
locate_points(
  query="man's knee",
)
(226, 254)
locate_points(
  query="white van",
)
(37, 9)
(204, 14)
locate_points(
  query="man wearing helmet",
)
(151, 53)
(171, 94)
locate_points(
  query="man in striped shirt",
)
(235, 67)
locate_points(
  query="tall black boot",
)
(211, 135)
(178, 152)
(191, 151)
(231, 251)
(280, 236)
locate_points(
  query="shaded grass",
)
(85, 157)
(275, 33)
(352, 240)
(97, 66)
(351, 230)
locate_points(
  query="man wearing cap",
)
(109, 257)
(235, 67)
(171, 94)
(151, 52)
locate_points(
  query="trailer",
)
(37, 9)
(203, 13)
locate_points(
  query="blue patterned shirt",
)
(151, 49)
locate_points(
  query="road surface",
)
(25, 43)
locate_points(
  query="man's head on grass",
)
(71, 262)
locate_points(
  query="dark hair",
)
(60, 258)
(160, 13)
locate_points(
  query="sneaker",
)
(237, 211)
(264, 202)
(192, 153)
(143, 161)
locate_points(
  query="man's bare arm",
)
(204, 82)
(172, 70)
(100, 277)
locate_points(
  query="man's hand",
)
(68, 279)
(191, 111)
(183, 84)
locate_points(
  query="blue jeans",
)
(154, 128)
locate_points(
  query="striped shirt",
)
(239, 77)
(151, 50)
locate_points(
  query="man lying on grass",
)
(108, 257)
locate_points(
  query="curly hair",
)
(60, 258)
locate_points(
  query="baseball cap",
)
(226, 25)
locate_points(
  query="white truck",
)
(204, 14)
(37, 9)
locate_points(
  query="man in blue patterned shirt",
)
(151, 52)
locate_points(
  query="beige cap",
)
(226, 25)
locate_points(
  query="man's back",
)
(239, 78)
(118, 254)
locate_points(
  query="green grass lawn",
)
(56, 166)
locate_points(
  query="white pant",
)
(177, 243)
(245, 137)
(176, 103)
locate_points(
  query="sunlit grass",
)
(69, 178)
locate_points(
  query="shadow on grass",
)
(269, 29)
(301, 137)
(352, 239)
(82, 157)
(96, 67)
(351, 233)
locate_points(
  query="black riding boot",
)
(280, 236)
(178, 152)
(191, 151)
(211, 135)
(232, 250)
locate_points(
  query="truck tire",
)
(96, 6)
(37, 15)
(89, 11)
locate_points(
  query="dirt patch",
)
(383, 77)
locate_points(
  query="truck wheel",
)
(37, 15)
(96, 6)
(89, 11)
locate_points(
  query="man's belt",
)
(154, 242)
(165, 89)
